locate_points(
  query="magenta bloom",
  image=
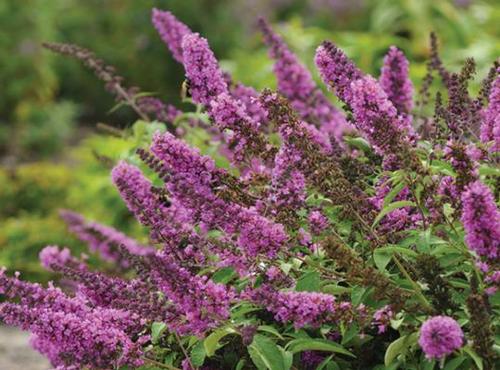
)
(250, 98)
(191, 183)
(395, 81)
(317, 222)
(481, 220)
(53, 255)
(206, 79)
(69, 331)
(288, 184)
(382, 318)
(103, 239)
(336, 70)
(167, 223)
(440, 336)
(229, 113)
(295, 82)
(300, 308)
(376, 117)
(171, 31)
(490, 128)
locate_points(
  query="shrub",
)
(341, 239)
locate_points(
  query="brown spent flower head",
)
(321, 171)
(430, 272)
(481, 331)
(358, 273)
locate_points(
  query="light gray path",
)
(16, 353)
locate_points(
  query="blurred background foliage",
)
(50, 154)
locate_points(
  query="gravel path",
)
(16, 353)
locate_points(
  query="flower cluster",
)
(481, 220)
(103, 239)
(297, 85)
(490, 128)
(71, 333)
(440, 336)
(395, 81)
(322, 231)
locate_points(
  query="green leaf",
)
(475, 357)
(382, 256)
(198, 354)
(287, 358)
(399, 346)
(309, 344)
(393, 193)
(266, 355)
(396, 323)
(335, 289)
(357, 294)
(391, 207)
(224, 275)
(443, 167)
(157, 330)
(428, 365)
(271, 330)
(240, 365)
(309, 282)
(328, 364)
(351, 332)
(211, 343)
(286, 267)
(358, 142)
(454, 363)
(485, 170)
(242, 309)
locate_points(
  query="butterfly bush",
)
(350, 224)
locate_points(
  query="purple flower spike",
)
(317, 222)
(336, 70)
(104, 239)
(206, 80)
(394, 80)
(440, 336)
(231, 114)
(171, 31)
(490, 128)
(294, 80)
(300, 308)
(297, 85)
(288, 183)
(250, 98)
(53, 255)
(481, 220)
(376, 117)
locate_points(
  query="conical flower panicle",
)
(171, 31)
(481, 220)
(395, 80)
(490, 127)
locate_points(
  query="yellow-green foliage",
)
(31, 195)
(22, 238)
(34, 188)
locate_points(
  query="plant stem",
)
(183, 350)
(418, 290)
(159, 364)
(130, 101)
